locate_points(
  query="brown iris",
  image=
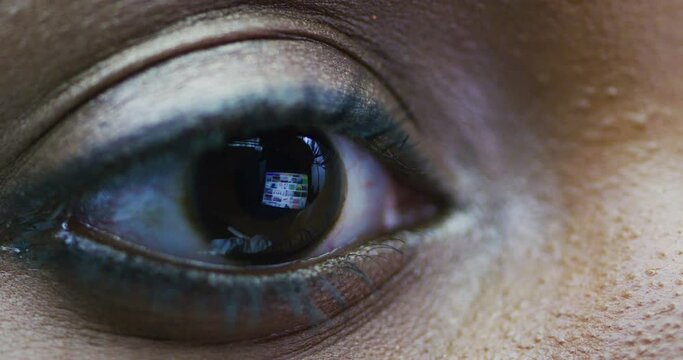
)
(268, 198)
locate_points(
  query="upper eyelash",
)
(84, 171)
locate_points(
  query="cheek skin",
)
(605, 112)
(624, 240)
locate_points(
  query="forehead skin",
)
(576, 106)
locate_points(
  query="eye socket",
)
(149, 214)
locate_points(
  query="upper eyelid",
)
(197, 97)
(185, 36)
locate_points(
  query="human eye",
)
(240, 192)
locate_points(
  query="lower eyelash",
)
(243, 298)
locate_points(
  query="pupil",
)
(268, 198)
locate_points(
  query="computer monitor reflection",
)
(285, 190)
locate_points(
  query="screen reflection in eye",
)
(261, 187)
(265, 216)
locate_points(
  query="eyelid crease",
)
(196, 33)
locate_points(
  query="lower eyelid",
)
(193, 304)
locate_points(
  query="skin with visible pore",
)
(570, 112)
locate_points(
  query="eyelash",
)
(117, 265)
(304, 288)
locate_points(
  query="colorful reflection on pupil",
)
(269, 198)
(285, 190)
